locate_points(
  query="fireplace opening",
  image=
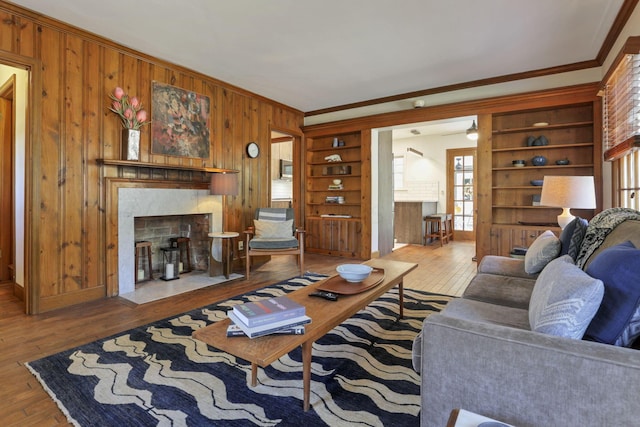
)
(163, 231)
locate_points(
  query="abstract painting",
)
(180, 122)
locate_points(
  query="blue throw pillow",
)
(618, 318)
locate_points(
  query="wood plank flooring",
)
(23, 338)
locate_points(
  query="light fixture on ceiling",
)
(472, 132)
(415, 131)
(418, 103)
(414, 151)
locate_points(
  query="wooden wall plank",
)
(72, 173)
(49, 226)
(93, 220)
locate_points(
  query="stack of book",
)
(278, 315)
(336, 186)
(334, 199)
(518, 252)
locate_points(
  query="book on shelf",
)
(270, 328)
(235, 331)
(336, 187)
(269, 310)
(335, 216)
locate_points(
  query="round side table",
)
(226, 256)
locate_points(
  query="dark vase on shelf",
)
(130, 144)
(539, 161)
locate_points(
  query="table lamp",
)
(566, 192)
(224, 184)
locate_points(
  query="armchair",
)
(274, 233)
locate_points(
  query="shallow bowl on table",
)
(354, 273)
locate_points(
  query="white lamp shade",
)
(568, 192)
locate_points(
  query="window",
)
(398, 172)
(626, 175)
(621, 124)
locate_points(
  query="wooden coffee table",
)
(325, 316)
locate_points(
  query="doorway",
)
(15, 81)
(282, 170)
(461, 190)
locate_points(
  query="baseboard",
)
(18, 291)
(375, 254)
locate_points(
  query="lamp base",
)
(565, 218)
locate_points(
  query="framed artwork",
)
(180, 122)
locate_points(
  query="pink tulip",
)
(135, 102)
(141, 116)
(116, 105)
(128, 113)
(118, 92)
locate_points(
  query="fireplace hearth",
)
(147, 206)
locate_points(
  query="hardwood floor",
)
(23, 338)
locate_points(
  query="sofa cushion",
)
(478, 311)
(545, 248)
(618, 319)
(500, 290)
(571, 237)
(564, 299)
(504, 266)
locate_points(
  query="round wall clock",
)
(253, 150)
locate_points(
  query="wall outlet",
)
(240, 245)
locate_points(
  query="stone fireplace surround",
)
(141, 202)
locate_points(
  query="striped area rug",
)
(158, 375)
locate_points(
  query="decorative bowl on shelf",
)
(354, 273)
(518, 163)
(337, 181)
(562, 162)
(537, 182)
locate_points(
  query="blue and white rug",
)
(158, 375)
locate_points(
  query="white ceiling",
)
(312, 55)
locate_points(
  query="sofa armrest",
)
(504, 266)
(524, 378)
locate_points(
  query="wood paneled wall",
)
(70, 127)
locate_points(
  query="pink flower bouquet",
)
(129, 109)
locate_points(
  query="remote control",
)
(326, 295)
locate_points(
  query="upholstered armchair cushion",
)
(274, 230)
(273, 243)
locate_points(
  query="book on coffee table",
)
(268, 310)
(270, 328)
(234, 331)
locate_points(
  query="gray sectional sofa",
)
(481, 354)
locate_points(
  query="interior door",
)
(6, 190)
(461, 191)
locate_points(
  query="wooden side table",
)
(227, 240)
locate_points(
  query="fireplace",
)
(157, 202)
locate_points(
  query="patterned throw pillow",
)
(544, 249)
(571, 237)
(564, 299)
(273, 229)
(576, 238)
(618, 319)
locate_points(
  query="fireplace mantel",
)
(137, 164)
